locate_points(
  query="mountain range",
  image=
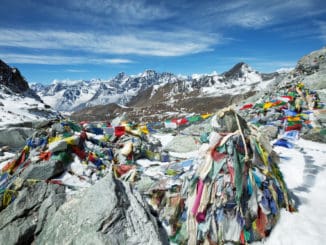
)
(150, 93)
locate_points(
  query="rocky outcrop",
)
(312, 62)
(44, 170)
(107, 213)
(11, 78)
(311, 70)
(16, 134)
(15, 137)
(21, 221)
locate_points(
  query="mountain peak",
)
(148, 73)
(238, 71)
(120, 76)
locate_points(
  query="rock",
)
(44, 170)
(107, 213)
(312, 62)
(228, 121)
(20, 221)
(15, 137)
(270, 131)
(178, 145)
(198, 129)
(317, 135)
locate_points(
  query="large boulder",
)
(15, 137)
(317, 135)
(23, 219)
(178, 144)
(45, 170)
(109, 212)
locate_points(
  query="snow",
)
(285, 69)
(240, 85)
(304, 171)
(164, 138)
(16, 108)
(199, 76)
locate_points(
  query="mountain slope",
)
(18, 103)
(21, 109)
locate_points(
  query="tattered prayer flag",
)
(268, 105)
(205, 116)
(182, 121)
(119, 130)
(144, 129)
(246, 106)
(294, 119)
(287, 98)
(169, 124)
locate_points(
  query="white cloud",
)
(122, 11)
(118, 61)
(58, 60)
(257, 14)
(155, 43)
(250, 19)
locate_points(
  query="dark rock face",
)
(235, 71)
(11, 78)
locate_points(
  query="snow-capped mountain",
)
(66, 95)
(148, 87)
(193, 93)
(74, 95)
(122, 88)
(152, 94)
(210, 92)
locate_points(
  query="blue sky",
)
(77, 39)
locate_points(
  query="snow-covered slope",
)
(304, 170)
(66, 95)
(21, 109)
(18, 103)
(16, 108)
(240, 79)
